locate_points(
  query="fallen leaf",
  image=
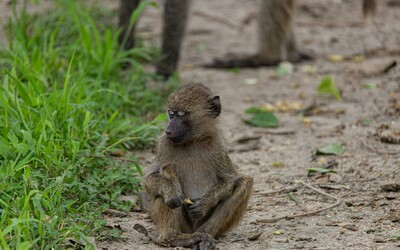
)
(327, 86)
(251, 81)
(358, 58)
(279, 106)
(311, 171)
(331, 149)
(309, 69)
(370, 85)
(306, 122)
(294, 85)
(288, 106)
(277, 164)
(256, 110)
(277, 232)
(264, 119)
(335, 58)
(284, 68)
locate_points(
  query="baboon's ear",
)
(215, 107)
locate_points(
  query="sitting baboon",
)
(193, 192)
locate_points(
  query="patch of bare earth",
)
(368, 173)
(369, 215)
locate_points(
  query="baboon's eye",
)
(171, 113)
(181, 113)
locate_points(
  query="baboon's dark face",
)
(191, 111)
(195, 124)
(178, 130)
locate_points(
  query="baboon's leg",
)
(229, 213)
(275, 27)
(173, 225)
(369, 8)
(169, 221)
(126, 9)
(276, 41)
(292, 53)
(174, 228)
(175, 17)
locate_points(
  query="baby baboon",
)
(275, 34)
(193, 192)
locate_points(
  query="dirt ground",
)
(369, 215)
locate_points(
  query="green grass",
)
(66, 103)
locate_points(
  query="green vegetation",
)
(327, 86)
(261, 118)
(66, 103)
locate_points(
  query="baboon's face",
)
(191, 111)
(179, 129)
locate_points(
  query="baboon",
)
(127, 36)
(193, 192)
(275, 34)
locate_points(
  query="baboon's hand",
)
(174, 200)
(198, 209)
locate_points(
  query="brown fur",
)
(199, 169)
(276, 38)
(276, 35)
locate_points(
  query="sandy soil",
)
(369, 215)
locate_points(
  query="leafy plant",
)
(66, 103)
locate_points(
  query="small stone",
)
(391, 187)
(254, 236)
(141, 229)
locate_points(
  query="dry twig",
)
(289, 217)
(285, 189)
(275, 131)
